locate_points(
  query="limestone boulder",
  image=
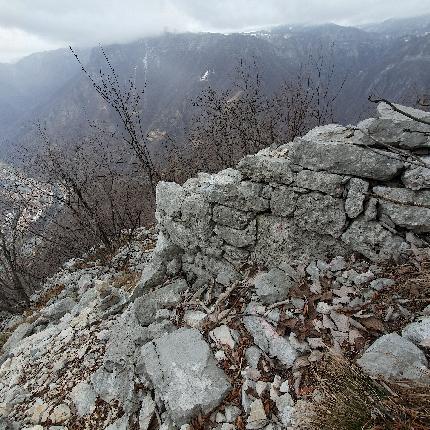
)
(280, 240)
(237, 238)
(272, 286)
(184, 374)
(145, 307)
(394, 357)
(283, 201)
(418, 331)
(233, 218)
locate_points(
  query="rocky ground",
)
(170, 334)
(240, 358)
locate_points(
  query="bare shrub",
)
(232, 123)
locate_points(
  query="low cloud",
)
(28, 25)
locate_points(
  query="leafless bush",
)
(308, 99)
(126, 100)
(16, 276)
(232, 123)
(98, 200)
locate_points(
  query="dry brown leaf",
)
(373, 323)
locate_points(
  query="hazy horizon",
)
(25, 29)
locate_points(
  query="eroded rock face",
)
(374, 241)
(184, 373)
(280, 239)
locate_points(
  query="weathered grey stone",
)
(373, 241)
(169, 197)
(417, 178)
(283, 201)
(223, 335)
(191, 223)
(153, 274)
(418, 331)
(146, 307)
(371, 211)
(386, 112)
(394, 357)
(381, 283)
(231, 217)
(58, 309)
(280, 240)
(84, 398)
(357, 191)
(406, 208)
(266, 337)
(111, 300)
(285, 406)
(345, 159)
(166, 249)
(266, 169)
(119, 424)
(273, 286)
(257, 418)
(253, 355)
(404, 134)
(327, 183)
(117, 385)
(337, 264)
(237, 238)
(236, 254)
(124, 337)
(321, 214)
(146, 413)
(245, 196)
(195, 319)
(184, 374)
(22, 331)
(60, 414)
(218, 268)
(329, 133)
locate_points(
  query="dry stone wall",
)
(337, 190)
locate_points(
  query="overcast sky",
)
(28, 26)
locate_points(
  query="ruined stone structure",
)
(335, 191)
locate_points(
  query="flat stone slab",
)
(184, 373)
(346, 159)
(406, 208)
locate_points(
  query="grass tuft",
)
(348, 399)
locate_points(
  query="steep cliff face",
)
(255, 274)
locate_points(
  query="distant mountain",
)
(417, 26)
(50, 87)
